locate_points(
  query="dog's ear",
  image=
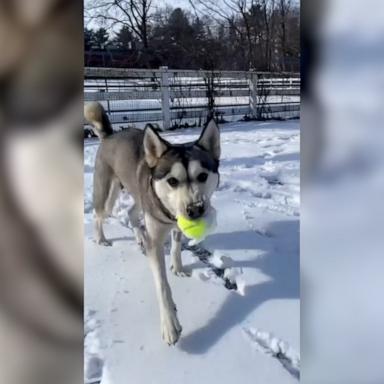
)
(210, 139)
(154, 146)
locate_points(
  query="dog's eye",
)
(202, 177)
(173, 182)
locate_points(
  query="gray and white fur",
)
(165, 180)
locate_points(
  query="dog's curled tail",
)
(95, 114)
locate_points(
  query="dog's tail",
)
(95, 114)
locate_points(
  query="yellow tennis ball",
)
(193, 229)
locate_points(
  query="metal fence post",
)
(253, 104)
(165, 98)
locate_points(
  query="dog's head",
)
(184, 175)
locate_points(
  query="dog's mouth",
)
(195, 209)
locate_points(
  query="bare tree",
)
(133, 14)
(267, 7)
(253, 28)
(228, 10)
(211, 79)
(283, 9)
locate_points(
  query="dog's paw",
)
(170, 328)
(141, 245)
(140, 239)
(142, 249)
(180, 271)
(104, 242)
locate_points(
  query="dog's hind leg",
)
(100, 237)
(113, 194)
(176, 263)
(102, 183)
(169, 323)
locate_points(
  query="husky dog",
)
(165, 180)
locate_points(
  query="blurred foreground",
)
(41, 274)
(342, 223)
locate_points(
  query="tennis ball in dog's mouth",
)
(193, 229)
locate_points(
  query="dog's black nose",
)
(194, 211)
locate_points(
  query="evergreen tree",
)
(88, 39)
(100, 39)
(124, 39)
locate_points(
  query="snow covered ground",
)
(240, 309)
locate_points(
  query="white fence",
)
(186, 97)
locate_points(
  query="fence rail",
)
(175, 97)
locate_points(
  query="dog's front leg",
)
(176, 263)
(170, 326)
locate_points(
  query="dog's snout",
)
(196, 210)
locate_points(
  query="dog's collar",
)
(163, 209)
